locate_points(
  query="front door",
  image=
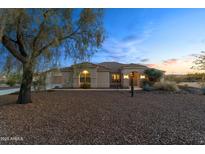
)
(136, 79)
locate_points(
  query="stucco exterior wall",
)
(125, 83)
(54, 79)
(48, 77)
(68, 79)
(103, 79)
(93, 77)
(129, 70)
(76, 80)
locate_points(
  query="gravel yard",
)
(96, 117)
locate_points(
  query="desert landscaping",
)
(102, 117)
(93, 76)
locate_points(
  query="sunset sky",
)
(165, 39)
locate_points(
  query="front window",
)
(85, 77)
(115, 77)
(142, 77)
(126, 76)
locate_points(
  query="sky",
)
(166, 39)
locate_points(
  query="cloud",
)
(180, 65)
(132, 39)
(164, 64)
(193, 55)
(152, 65)
(144, 60)
(120, 51)
(127, 49)
(170, 61)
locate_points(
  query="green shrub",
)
(146, 82)
(85, 86)
(13, 79)
(153, 75)
(147, 88)
(2, 82)
(39, 82)
(11, 82)
(166, 85)
(147, 85)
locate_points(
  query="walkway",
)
(13, 90)
(135, 88)
(8, 91)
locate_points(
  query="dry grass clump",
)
(166, 85)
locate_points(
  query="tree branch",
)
(8, 43)
(19, 37)
(70, 35)
(41, 27)
(38, 52)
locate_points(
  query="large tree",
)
(199, 62)
(35, 36)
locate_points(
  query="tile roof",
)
(116, 67)
(105, 66)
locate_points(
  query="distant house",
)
(2, 78)
(102, 75)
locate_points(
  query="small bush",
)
(13, 79)
(146, 82)
(147, 88)
(11, 82)
(147, 85)
(166, 85)
(153, 75)
(85, 86)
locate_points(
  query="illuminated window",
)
(126, 76)
(115, 77)
(85, 72)
(142, 76)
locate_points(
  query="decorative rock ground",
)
(96, 117)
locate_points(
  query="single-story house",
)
(2, 78)
(101, 75)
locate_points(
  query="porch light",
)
(85, 72)
(126, 76)
(142, 76)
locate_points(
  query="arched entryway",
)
(137, 77)
(85, 77)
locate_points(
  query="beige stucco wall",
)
(125, 83)
(129, 70)
(68, 79)
(93, 77)
(76, 80)
(54, 79)
(50, 75)
(103, 79)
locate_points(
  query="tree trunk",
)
(25, 90)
